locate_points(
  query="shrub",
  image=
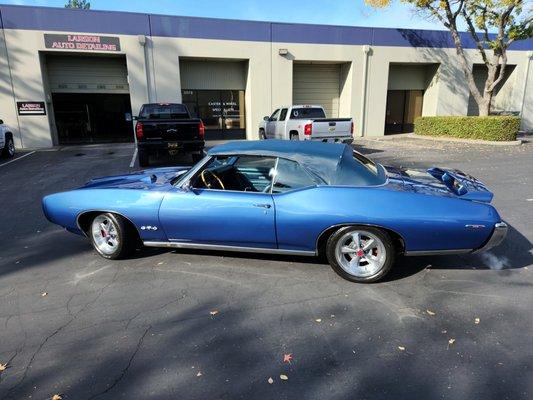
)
(495, 128)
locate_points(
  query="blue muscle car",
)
(286, 197)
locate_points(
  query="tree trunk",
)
(484, 108)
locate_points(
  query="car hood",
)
(145, 179)
(440, 182)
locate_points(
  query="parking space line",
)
(18, 158)
(132, 163)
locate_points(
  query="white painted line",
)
(132, 163)
(18, 158)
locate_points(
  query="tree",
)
(492, 24)
(82, 4)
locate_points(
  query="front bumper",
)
(498, 235)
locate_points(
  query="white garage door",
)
(86, 74)
(317, 84)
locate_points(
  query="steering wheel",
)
(216, 178)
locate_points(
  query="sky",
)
(329, 12)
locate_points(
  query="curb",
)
(517, 142)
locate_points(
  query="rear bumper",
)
(498, 235)
(186, 146)
(344, 139)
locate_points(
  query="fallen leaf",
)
(160, 263)
(430, 312)
(401, 348)
(57, 397)
(214, 312)
(199, 373)
(287, 358)
(270, 380)
(3, 367)
(332, 315)
(450, 342)
(44, 294)
(476, 321)
(318, 320)
(283, 377)
(444, 331)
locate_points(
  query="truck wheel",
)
(360, 253)
(294, 136)
(144, 158)
(9, 147)
(111, 236)
(262, 135)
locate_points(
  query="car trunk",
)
(331, 128)
(171, 130)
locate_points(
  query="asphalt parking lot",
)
(208, 325)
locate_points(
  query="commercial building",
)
(71, 76)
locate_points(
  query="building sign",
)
(81, 42)
(31, 108)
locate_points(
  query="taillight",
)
(308, 129)
(139, 130)
(201, 129)
(351, 129)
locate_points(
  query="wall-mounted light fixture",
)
(283, 52)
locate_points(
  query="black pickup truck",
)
(167, 128)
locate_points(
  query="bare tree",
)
(82, 4)
(492, 24)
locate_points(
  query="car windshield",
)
(164, 111)
(307, 113)
(357, 170)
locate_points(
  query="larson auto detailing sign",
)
(81, 42)
(31, 108)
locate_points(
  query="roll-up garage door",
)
(318, 84)
(87, 74)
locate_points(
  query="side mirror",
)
(187, 187)
(128, 117)
(267, 118)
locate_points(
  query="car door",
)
(2, 134)
(271, 125)
(280, 125)
(233, 217)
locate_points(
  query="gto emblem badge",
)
(473, 226)
(148, 228)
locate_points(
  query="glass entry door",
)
(222, 112)
(403, 106)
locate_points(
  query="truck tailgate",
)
(331, 128)
(171, 130)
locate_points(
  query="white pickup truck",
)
(7, 145)
(305, 122)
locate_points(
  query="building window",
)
(218, 109)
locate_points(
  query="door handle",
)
(262, 205)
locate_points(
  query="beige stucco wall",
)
(154, 75)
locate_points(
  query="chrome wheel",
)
(105, 235)
(360, 253)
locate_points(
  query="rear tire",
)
(144, 158)
(294, 136)
(9, 147)
(372, 256)
(112, 236)
(262, 135)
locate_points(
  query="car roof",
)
(320, 158)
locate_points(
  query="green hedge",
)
(496, 128)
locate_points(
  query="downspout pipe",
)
(529, 56)
(362, 119)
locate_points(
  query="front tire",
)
(111, 236)
(9, 147)
(360, 253)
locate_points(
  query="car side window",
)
(283, 114)
(274, 115)
(290, 175)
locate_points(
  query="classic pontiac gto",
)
(299, 198)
